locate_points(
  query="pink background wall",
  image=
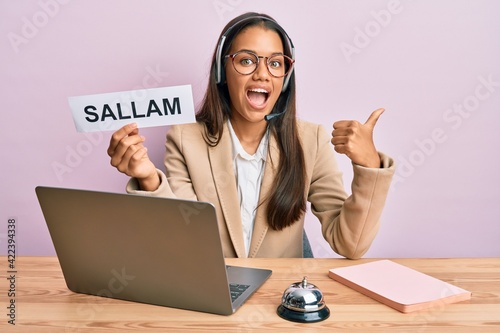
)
(434, 66)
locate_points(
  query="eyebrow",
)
(252, 51)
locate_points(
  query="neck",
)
(249, 134)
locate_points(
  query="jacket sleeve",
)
(349, 223)
(163, 190)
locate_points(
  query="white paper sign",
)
(146, 107)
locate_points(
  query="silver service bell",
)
(302, 302)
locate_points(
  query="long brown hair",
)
(286, 201)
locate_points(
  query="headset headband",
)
(218, 54)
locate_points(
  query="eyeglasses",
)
(246, 62)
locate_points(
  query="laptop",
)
(152, 250)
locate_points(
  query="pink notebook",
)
(398, 286)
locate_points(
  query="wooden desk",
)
(44, 304)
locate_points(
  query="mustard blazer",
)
(200, 172)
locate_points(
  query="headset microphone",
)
(270, 116)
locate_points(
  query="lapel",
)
(225, 183)
(261, 226)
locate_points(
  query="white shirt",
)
(248, 170)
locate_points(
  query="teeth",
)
(259, 90)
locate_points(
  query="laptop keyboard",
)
(237, 289)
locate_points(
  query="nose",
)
(261, 72)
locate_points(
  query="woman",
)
(250, 156)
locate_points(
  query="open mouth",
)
(257, 97)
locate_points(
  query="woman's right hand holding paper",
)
(130, 156)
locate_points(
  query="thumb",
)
(372, 120)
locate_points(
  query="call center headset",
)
(219, 70)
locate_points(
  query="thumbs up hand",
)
(355, 140)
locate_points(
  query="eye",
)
(246, 62)
(273, 63)
(276, 62)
